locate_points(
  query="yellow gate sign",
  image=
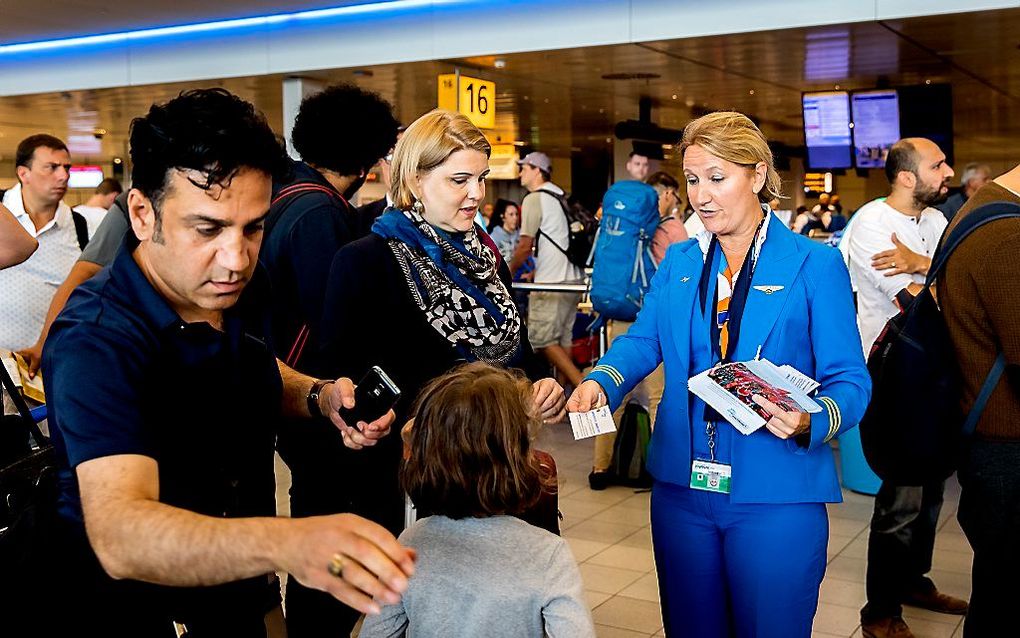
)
(473, 97)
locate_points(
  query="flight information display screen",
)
(876, 126)
(827, 129)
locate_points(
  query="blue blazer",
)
(809, 323)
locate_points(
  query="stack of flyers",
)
(728, 388)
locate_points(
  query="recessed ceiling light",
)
(675, 96)
(499, 63)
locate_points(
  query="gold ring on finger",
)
(336, 565)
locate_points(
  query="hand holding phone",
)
(374, 396)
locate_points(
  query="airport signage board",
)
(818, 182)
(474, 97)
(503, 162)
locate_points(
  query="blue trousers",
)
(743, 570)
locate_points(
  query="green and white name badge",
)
(711, 477)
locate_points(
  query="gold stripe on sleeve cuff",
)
(835, 418)
(610, 371)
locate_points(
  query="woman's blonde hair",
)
(470, 451)
(733, 137)
(425, 145)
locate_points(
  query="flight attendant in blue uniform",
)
(739, 525)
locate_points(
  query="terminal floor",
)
(611, 539)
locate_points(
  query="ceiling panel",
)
(24, 22)
(560, 101)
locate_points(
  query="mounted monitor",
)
(85, 177)
(827, 129)
(876, 126)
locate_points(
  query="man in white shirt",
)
(43, 167)
(550, 314)
(890, 247)
(94, 210)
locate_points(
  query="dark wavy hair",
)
(211, 131)
(470, 452)
(26, 148)
(499, 210)
(344, 129)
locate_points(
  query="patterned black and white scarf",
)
(456, 285)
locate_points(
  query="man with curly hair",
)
(340, 133)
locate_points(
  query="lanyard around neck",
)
(738, 298)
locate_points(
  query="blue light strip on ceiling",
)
(126, 37)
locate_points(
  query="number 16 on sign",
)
(472, 97)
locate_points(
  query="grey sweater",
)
(489, 577)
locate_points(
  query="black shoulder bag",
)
(913, 427)
(28, 496)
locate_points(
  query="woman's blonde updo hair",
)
(733, 137)
(426, 144)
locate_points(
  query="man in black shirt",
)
(165, 397)
(340, 133)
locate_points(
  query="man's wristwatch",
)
(313, 397)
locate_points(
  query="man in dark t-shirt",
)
(165, 396)
(340, 133)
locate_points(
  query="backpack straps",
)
(951, 241)
(562, 199)
(305, 187)
(972, 221)
(991, 381)
(564, 207)
(81, 229)
(295, 190)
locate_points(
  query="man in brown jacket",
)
(980, 295)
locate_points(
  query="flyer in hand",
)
(728, 388)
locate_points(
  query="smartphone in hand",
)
(374, 396)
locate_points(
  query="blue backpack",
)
(623, 265)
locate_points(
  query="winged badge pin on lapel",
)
(768, 290)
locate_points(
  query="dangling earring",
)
(418, 207)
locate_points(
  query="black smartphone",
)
(374, 396)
